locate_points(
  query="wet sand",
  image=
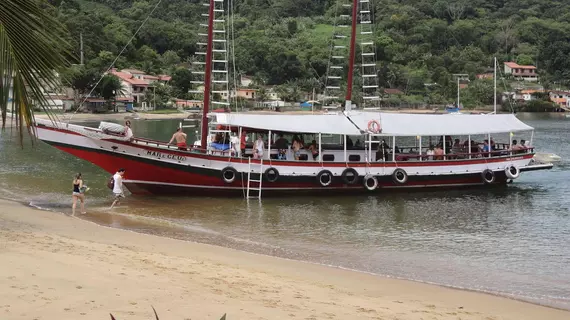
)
(60, 267)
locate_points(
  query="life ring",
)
(229, 174)
(512, 172)
(374, 126)
(349, 176)
(325, 178)
(488, 176)
(271, 174)
(370, 182)
(400, 176)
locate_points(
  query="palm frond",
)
(32, 50)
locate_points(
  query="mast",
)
(207, 76)
(495, 90)
(348, 99)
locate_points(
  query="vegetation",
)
(31, 50)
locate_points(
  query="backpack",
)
(111, 183)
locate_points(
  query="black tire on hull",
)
(229, 174)
(349, 176)
(400, 176)
(271, 174)
(488, 176)
(325, 178)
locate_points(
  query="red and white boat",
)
(375, 164)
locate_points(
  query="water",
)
(512, 242)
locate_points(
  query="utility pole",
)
(81, 47)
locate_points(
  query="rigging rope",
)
(116, 58)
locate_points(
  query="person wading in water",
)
(118, 186)
(180, 138)
(78, 194)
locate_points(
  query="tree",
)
(181, 82)
(32, 47)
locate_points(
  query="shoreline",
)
(147, 269)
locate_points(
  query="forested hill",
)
(286, 41)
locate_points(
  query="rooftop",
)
(514, 65)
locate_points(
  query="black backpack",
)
(111, 183)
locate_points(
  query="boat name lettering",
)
(515, 158)
(165, 155)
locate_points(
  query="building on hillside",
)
(482, 76)
(561, 98)
(246, 93)
(391, 92)
(245, 80)
(529, 94)
(135, 83)
(526, 73)
(186, 104)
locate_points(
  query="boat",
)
(392, 150)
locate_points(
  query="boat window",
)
(328, 157)
(354, 158)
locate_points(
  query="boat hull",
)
(153, 169)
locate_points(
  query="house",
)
(245, 81)
(483, 76)
(526, 73)
(390, 92)
(561, 98)
(134, 82)
(529, 94)
(246, 93)
(186, 104)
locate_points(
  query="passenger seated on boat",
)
(430, 152)
(515, 146)
(357, 144)
(281, 145)
(438, 152)
(486, 148)
(258, 147)
(314, 150)
(349, 143)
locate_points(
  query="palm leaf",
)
(32, 50)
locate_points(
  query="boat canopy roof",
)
(392, 124)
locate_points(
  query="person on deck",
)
(242, 141)
(438, 152)
(180, 138)
(314, 150)
(128, 131)
(297, 145)
(281, 145)
(258, 147)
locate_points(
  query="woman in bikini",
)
(78, 194)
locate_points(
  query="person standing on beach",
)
(118, 186)
(180, 138)
(78, 194)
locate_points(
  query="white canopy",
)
(392, 124)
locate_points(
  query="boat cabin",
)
(368, 136)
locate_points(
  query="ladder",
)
(220, 59)
(257, 181)
(338, 56)
(370, 95)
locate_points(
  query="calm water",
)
(512, 241)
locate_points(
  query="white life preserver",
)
(488, 176)
(512, 172)
(374, 126)
(325, 178)
(370, 182)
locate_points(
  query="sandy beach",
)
(60, 267)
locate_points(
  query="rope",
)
(116, 58)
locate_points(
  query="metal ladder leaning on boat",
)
(259, 182)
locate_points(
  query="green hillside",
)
(285, 42)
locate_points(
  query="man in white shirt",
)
(118, 186)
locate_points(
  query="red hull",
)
(155, 177)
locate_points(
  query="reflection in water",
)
(508, 240)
